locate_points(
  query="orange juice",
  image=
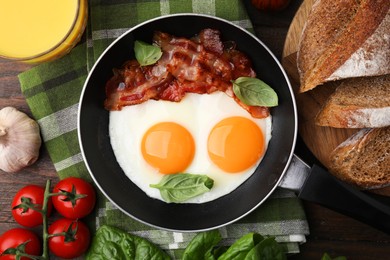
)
(40, 30)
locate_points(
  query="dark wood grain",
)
(329, 231)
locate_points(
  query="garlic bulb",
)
(20, 140)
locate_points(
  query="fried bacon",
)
(200, 65)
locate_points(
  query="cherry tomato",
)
(80, 200)
(16, 236)
(28, 217)
(72, 245)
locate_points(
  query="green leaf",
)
(241, 247)
(146, 54)
(114, 243)
(183, 186)
(201, 245)
(268, 249)
(216, 252)
(254, 92)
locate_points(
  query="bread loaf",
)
(343, 39)
(358, 103)
(364, 159)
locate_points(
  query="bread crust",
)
(372, 58)
(333, 32)
(364, 159)
(358, 103)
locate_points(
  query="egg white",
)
(198, 114)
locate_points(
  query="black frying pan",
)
(99, 157)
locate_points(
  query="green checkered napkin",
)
(52, 91)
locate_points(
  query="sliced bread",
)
(343, 39)
(364, 159)
(358, 103)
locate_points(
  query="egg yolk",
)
(235, 144)
(168, 147)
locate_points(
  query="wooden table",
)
(330, 232)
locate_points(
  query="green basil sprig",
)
(146, 54)
(254, 92)
(183, 186)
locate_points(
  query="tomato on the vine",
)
(16, 237)
(24, 204)
(73, 241)
(79, 200)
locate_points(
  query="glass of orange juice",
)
(35, 31)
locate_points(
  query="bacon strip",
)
(200, 65)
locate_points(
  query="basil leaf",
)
(201, 245)
(114, 243)
(183, 186)
(146, 54)
(254, 92)
(266, 249)
(242, 246)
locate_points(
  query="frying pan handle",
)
(323, 188)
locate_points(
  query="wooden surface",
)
(330, 231)
(295, 29)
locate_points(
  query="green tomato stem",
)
(56, 234)
(56, 194)
(29, 256)
(45, 235)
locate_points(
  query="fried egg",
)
(202, 134)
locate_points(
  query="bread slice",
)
(343, 39)
(358, 103)
(364, 159)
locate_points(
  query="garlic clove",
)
(20, 140)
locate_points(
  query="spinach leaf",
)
(202, 245)
(267, 249)
(241, 247)
(251, 246)
(254, 92)
(114, 243)
(146, 54)
(216, 252)
(183, 186)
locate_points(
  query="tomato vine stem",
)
(45, 235)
